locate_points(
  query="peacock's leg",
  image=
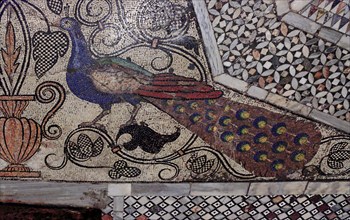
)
(133, 113)
(94, 123)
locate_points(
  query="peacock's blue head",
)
(69, 24)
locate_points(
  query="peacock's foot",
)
(93, 125)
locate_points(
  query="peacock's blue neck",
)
(81, 56)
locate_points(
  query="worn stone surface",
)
(300, 22)
(339, 187)
(130, 93)
(209, 189)
(330, 34)
(174, 189)
(277, 188)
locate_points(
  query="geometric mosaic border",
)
(238, 207)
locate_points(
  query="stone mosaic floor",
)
(280, 207)
(129, 91)
(260, 49)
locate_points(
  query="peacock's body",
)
(265, 143)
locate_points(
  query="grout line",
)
(248, 189)
(306, 186)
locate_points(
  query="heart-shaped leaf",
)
(55, 6)
(48, 47)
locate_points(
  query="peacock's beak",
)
(55, 23)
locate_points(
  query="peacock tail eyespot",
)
(242, 114)
(260, 156)
(193, 105)
(210, 114)
(179, 108)
(195, 117)
(260, 122)
(227, 108)
(301, 139)
(279, 147)
(260, 138)
(227, 136)
(169, 102)
(242, 130)
(243, 146)
(211, 128)
(277, 165)
(225, 121)
(279, 129)
(210, 101)
(298, 156)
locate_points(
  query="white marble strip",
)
(208, 37)
(280, 101)
(95, 195)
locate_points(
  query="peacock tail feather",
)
(265, 143)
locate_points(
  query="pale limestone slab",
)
(257, 92)
(118, 215)
(336, 187)
(231, 82)
(119, 189)
(166, 189)
(297, 5)
(208, 37)
(212, 189)
(330, 120)
(301, 22)
(282, 7)
(118, 203)
(51, 193)
(277, 188)
(330, 34)
(298, 108)
(277, 100)
(344, 42)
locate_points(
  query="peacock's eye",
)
(67, 24)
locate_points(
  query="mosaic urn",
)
(20, 137)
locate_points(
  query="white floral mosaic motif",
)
(261, 50)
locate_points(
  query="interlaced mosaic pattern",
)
(257, 47)
(238, 207)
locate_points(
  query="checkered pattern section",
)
(289, 207)
(55, 6)
(48, 46)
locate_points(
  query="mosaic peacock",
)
(265, 143)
